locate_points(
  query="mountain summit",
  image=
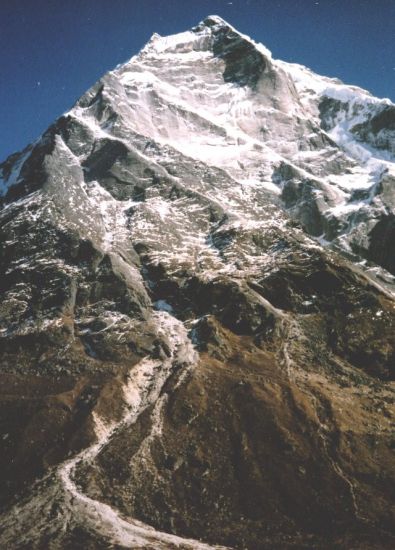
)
(197, 312)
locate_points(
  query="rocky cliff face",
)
(197, 316)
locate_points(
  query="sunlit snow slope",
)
(216, 97)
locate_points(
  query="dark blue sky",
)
(51, 51)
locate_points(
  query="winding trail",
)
(57, 505)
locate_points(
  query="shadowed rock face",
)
(379, 129)
(382, 239)
(175, 349)
(244, 64)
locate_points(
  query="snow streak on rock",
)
(143, 388)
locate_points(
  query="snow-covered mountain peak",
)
(179, 344)
(214, 96)
(215, 21)
(219, 26)
(215, 36)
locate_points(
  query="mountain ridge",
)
(197, 309)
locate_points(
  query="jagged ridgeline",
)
(197, 309)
